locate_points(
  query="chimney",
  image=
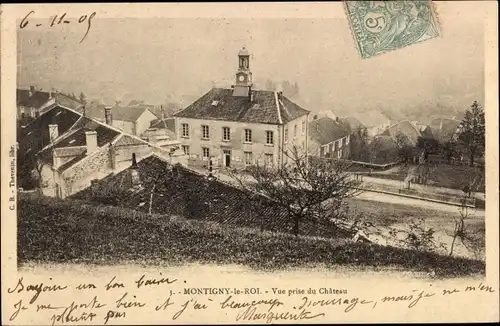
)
(53, 132)
(337, 119)
(250, 94)
(108, 115)
(50, 95)
(135, 179)
(91, 141)
(162, 112)
(134, 161)
(32, 91)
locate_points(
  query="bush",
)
(73, 231)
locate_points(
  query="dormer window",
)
(215, 103)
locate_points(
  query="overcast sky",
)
(153, 59)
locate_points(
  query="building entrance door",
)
(227, 157)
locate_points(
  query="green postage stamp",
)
(381, 26)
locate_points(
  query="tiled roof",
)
(69, 151)
(192, 196)
(76, 136)
(220, 104)
(35, 135)
(72, 162)
(372, 118)
(405, 128)
(119, 113)
(63, 100)
(353, 123)
(104, 134)
(37, 99)
(325, 130)
(128, 113)
(126, 140)
(68, 102)
(168, 123)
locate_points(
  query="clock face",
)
(241, 78)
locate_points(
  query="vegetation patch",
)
(74, 231)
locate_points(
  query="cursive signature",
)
(251, 313)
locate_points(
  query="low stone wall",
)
(449, 199)
(412, 193)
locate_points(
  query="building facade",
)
(68, 150)
(241, 126)
(329, 138)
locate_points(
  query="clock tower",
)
(244, 75)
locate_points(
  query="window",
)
(286, 135)
(185, 149)
(340, 153)
(206, 152)
(269, 138)
(294, 131)
(226, 133)
(347, 140)
(185, 130)
(205, 133)
(326, 150)
(303, 127)
(269, 159)
(248, 158)
(248, 135)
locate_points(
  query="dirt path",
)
(479, 213)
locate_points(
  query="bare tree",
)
(306, 188)
(472, 240)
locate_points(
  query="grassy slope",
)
(51, 231)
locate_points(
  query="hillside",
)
(72, 231)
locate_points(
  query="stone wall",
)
(95, 166)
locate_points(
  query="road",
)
(423, 188)
(385, 198)
(379, 197)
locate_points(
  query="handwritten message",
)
(174, 298)
(60, 19)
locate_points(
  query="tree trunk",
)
(296, 226)
(471, 159)
(453, 245)
(151, 200)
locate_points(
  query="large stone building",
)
(241, 126)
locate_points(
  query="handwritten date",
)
(57, 20)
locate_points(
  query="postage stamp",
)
(381, 26)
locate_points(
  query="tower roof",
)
(243, 51)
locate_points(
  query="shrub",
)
(73, 231)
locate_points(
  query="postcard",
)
(249, 163)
